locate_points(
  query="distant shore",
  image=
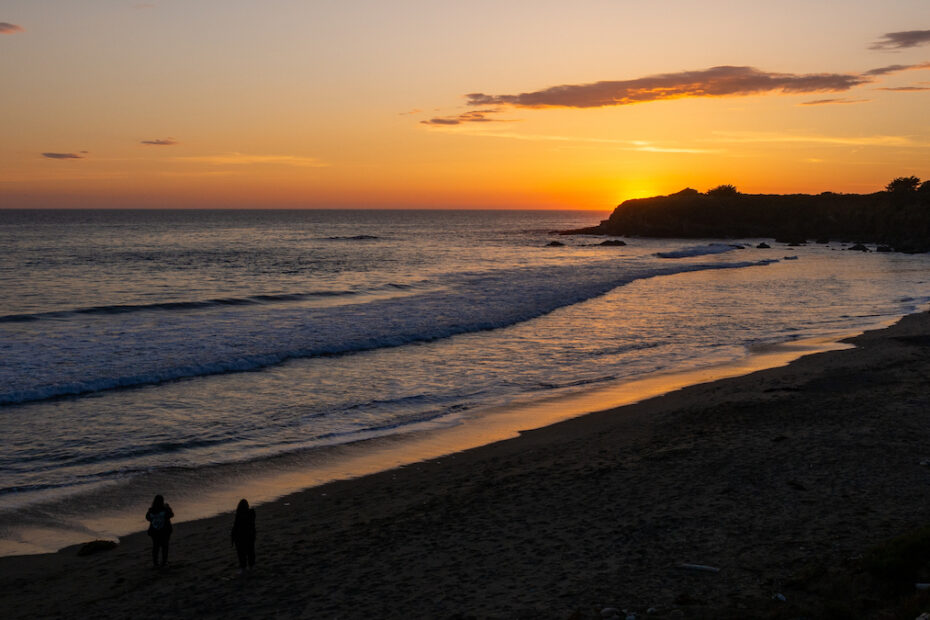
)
(778, 483)
(896, 220)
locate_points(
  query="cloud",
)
(8, 28)
(831, 101)
(901, 40)
(649, 148)
(897, 68)
(63, 155)
(721, 81)
(725, 81)
(749, 137)
(905, 89)
(240, 159)
(196, 173)
(442, 121)
(160, 142)
(625, 145)
(472, 116)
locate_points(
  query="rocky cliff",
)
(900, 220)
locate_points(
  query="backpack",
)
(158, 520)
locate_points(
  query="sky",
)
(448, 104)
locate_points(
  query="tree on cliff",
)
(722, 191)
(903, 185)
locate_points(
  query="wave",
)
(578, 383)
(70, 358)
(195, 304)
(700, 250)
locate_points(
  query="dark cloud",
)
(714, 82)
(63, 155)
(905, 89)
(160, 142)
(442, 121)
(832, 101)
(8, 28)
(723, 81)
(901, 40)
(897, 68)
(887, 70)
(472, 116)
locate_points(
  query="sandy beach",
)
(781, 481)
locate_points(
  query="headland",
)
(897, 220)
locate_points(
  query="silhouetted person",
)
(243, 535)
(159, 518)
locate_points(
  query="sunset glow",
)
(423, 104)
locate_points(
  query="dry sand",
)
(760, 476)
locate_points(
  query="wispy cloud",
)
(160, 142)
(626, 145)
(833, 101)
(651, 148)
(63, 155)
(897, 69)
(720, 81)
(905, 89)
(196, 173)
(241, 159)
(472, 116)
(782, 138)
(724, 81)
(8, 28)
(901, 40)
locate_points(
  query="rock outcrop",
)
(899, 221)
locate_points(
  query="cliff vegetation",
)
(898, 217)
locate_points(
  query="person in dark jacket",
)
(243, 535)
(159, 518)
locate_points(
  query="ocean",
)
(208, 355)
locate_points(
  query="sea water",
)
(188, 351)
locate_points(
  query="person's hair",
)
(158, 503)
(242, 508)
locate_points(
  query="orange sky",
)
(430, 103)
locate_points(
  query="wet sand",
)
(758, 476)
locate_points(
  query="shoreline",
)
(755, 474)
(202, 491)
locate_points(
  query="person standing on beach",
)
(243, 535)
(159, 518)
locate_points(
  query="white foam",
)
(699, 250)
(84, 354)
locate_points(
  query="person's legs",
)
(241, 551)
(164, 550)
(155, 546)
(250, 553)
